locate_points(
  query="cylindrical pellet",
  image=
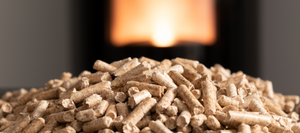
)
(220, 69)
(18, 125)
(144, 77)
(150, 61)
(219, 77)
(274, 127)
(158, 127)
(68, 104)
(138, 113)
(177, 62)
(64, 117)
(244, 128)
(67, 129)
(163, 79)
(93, 89)
(269, 89)
(221, 92)
(35, 126)
(187, 96)
(213, 123)
(122, 109)
(185, 129)
(27, 97)
(54, 109)
(155, 90)
(256, 106)
(98, 124)
(101, 108)
(40, 109)
(198, 120)
(227, 101)
(120, 97)
(192, 63)
(130, 128)
(6, 108)
(106, 131)
(97, 77)
(209, 97)
(198, 83)
(293, 98)
(179, 79)
(171, 123)
(180, 105)
(218, 107)
(70, 83)
(138, 97)
(49, 125)
(177, 68)
(7, 96)
(77, 125)
(172, 110)
(248, 118)
(126, 67)
(82, 83)
(162, 117)
(256, 129)
(289, 106)
(103, 66)
(144, 122)
(117, 122)
(198, 130)
(146, 130)
(165, 64)
(166, 100)
(231, 90)
(92, 100)
(294, 116)
(111, 110)
(132, 91)
(271, 107)
(265, 129)
(65, 76)
(296, 128)
(184, 118)
(190, 74)
(221, 116)
(86, 115)
(120, 63)
(227, 131)
(49, 94)
(67, 94)
(119, 81)
(196, 93)
(204, 71)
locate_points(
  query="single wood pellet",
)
(148, 96)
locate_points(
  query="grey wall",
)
(34, 41)
(280, 44)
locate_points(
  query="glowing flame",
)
(163, 35)
(162, 22)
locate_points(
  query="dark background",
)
(236, 46)
(41, 39)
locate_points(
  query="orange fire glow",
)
(162, 22)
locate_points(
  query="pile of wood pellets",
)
(144, 95)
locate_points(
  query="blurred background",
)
(41, 39)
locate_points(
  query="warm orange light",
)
(162, 35)
(162, 22)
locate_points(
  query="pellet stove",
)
(224, 32)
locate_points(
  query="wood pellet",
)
(134, 95)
